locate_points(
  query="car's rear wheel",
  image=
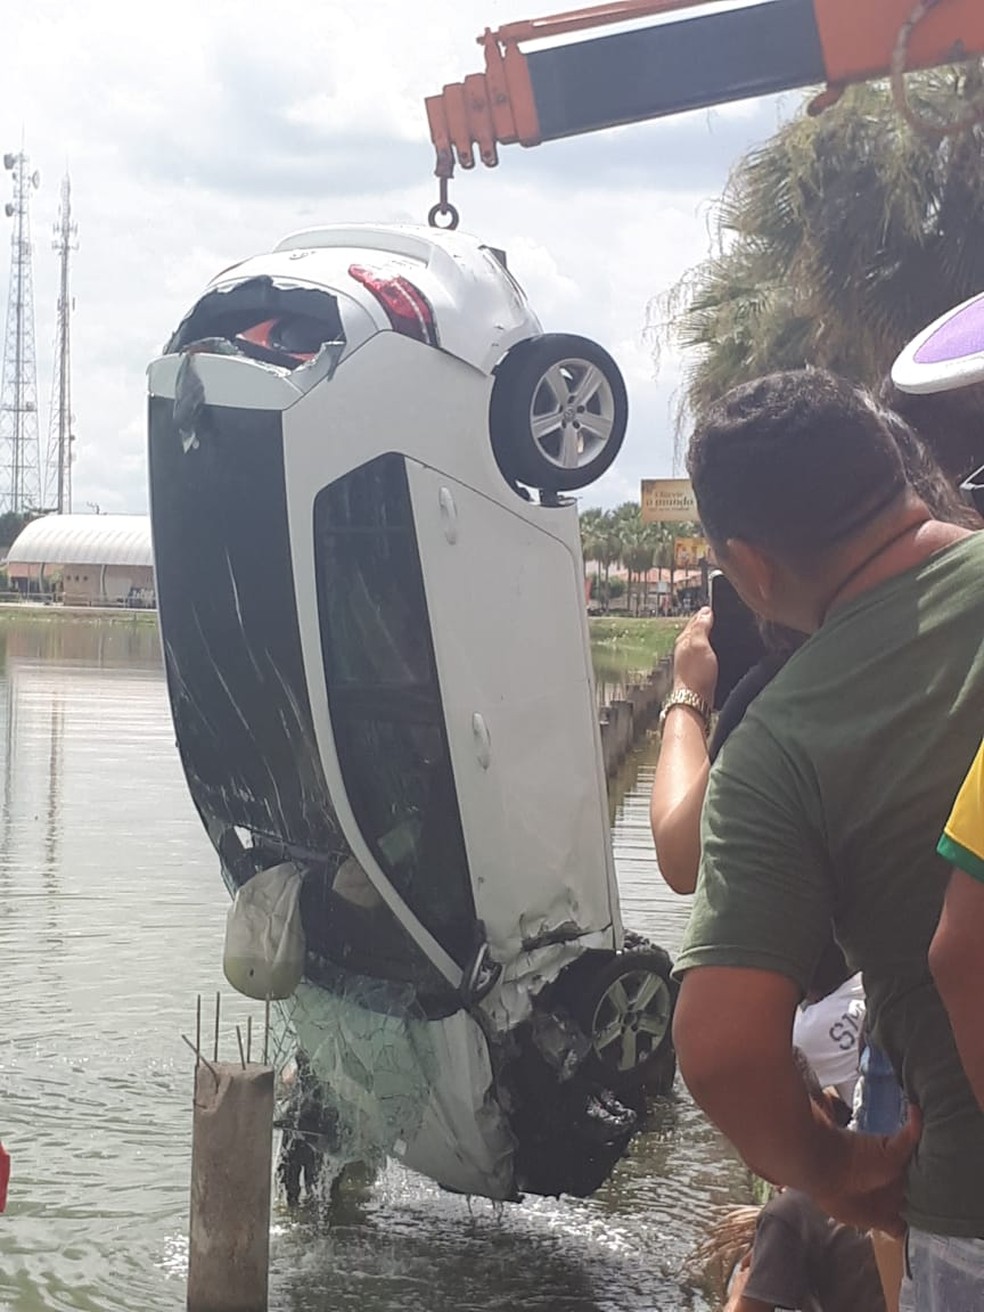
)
(558, 412)
(626, 1009)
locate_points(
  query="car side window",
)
(384, 696)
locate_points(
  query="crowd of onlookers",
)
(834, 839)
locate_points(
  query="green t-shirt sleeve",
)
(764, 899)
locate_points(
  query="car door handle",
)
(449, 514)
(483, 740)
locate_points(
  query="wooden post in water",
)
(231, 1167)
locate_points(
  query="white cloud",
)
(201, 135)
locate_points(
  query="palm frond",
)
(833, 243)
(712, 1263)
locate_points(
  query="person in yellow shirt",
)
(963, 837)
(956, 958)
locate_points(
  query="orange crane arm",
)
(702, 60)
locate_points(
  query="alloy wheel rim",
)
(572, 413)
(631, 1019)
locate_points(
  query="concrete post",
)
(232, 1149)
(622, 721)
(622, 711)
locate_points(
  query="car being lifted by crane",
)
(372, 613)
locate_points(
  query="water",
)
(111, 921)
(615, 669)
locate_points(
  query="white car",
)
(372, 608)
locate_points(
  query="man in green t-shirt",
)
(826, 802)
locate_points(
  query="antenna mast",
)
(58, 461)
(20, 474)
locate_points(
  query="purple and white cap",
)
(946, 355)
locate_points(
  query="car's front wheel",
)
(626, 1010)
(558, 412)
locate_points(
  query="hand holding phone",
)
(694, 662)
(735, 636)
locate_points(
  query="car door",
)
(506, 603)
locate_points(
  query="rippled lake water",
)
(112, 920)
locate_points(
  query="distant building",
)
(651, 591)
(85, 560)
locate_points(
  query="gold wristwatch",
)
(686, 697)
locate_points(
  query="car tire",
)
(625, 1008)
(558, 412)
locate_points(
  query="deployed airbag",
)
(264, 946)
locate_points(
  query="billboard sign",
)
(668, 501)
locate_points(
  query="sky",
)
(201, 132)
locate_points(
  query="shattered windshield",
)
(243, 719)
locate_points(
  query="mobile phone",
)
(735, 636)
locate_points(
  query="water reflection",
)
(614, 670)
(616, 667)
(113, 915)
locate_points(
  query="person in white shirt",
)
(828, 1031)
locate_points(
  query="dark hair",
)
(927, 478)
(950, 423)
(794, 462)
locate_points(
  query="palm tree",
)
(611, 547)
(600, 542)
(638, 545)
(626, 529)
(837, 240)
(663, 552)
(592, 536)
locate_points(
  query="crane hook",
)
(443, 210)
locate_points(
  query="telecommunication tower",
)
(58, 460)
(20, 472)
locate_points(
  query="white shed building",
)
(86, 559)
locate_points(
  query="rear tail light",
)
(407, 308)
